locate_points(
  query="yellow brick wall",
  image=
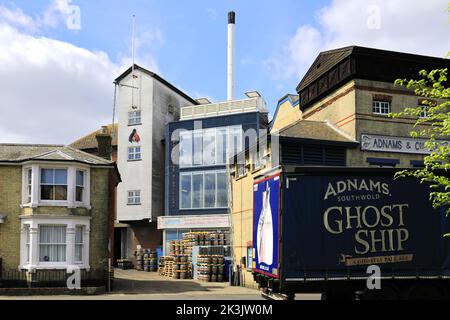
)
(286, 115)
(10, 198)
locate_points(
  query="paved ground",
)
(134, 285)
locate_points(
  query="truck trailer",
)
(348, 233)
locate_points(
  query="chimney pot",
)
(231, 17)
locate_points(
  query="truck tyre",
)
(425, 291)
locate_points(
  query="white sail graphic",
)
(264, 234)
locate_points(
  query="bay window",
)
(54, 243)
(54, 184)
(60, 185)
(203, 190)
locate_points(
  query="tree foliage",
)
(432, 123)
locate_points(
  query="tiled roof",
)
(16, 153)
(315, 130)
(90, 141)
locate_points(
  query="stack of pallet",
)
(166, 266)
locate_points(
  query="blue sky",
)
(185, 42)
(192, 51)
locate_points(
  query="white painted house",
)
(146, 103)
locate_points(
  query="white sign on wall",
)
(394, 144)
(194, 222)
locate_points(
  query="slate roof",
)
(315, 130)
(90, 141)
(17, 153)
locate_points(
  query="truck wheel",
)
(425, 291)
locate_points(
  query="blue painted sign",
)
(266, 209)
(336, 226)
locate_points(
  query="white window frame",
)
(54, 185)
(134, 153)
(83, 194)
(134, 119)
(52, 243)
(202, 201)
(379, 107)
(134, 195)
(34, 222)
(79, 244)
(71, 186)
(28, 184)
(424, 112)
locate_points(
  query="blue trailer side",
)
(333, 225)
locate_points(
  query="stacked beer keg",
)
(210, 268)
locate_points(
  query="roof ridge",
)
(91, 155)
(30, 145)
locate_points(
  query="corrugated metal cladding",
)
(309, 154)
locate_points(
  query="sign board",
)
(266, 210)
(194, 222)
(394, 144)
(336, 225)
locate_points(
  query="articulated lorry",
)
(349, 234)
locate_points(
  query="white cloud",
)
(16, 17)
(51, 91)
(419, 27)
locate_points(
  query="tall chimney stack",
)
(231, 31)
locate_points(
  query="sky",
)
(58, 58)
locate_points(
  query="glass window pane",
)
(46, 192)
(221, 146)
(79, 234)
(47, 176)
(185, 191)
(60, 176)
(209, 147)
(222, 192)
(60, 192)
(210, 190)
(197, 196)
(79, 194)
(186, 148)
(198, 148)
(80, 178)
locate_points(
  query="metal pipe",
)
(231, 43)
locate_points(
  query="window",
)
(79, 244)
(203, 190)
(241, 169)
(381, 107)
(186, 191)
(134, 153)
(210, 190)
(198, 148)
(79, 189)
(52, 243)
(424, 113)
(54, 247)
(27, 242)
(213, 146)
(209, 147)
(54, 184)
(134, 118)
(29, 177)
(380, 162)
(134, 197)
